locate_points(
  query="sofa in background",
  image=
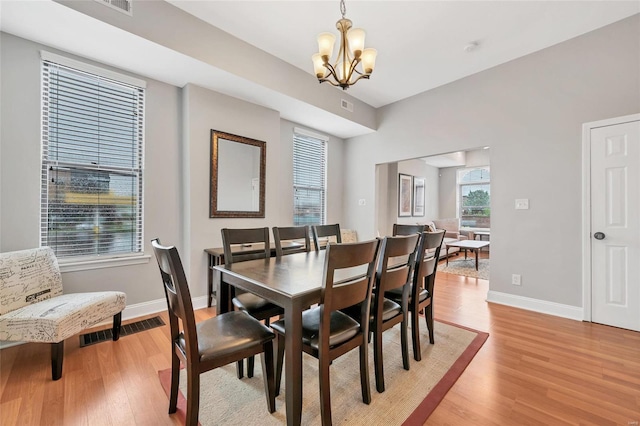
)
(452, 233)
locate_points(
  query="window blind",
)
(92, 163)
(309, 179)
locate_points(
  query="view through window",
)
(309, 179)
(474, 197)
(92, 155)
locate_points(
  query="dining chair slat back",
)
(395, 272)
(423, 286)
(215, 342)
(244, 236)
(291, 233)
(325, 231)
(402, 229)
(250, 303)
(329, 333)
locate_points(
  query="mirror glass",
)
(237, 176)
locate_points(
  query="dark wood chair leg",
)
(404, 343)
(378, 361)
(325, 392)
(364, 372)
(269, 376)
(251, 360)
(117, 325)
(57, 356)
(193, 397)
(175, 381)
(429, 318)
(415, 335)
(279, 359)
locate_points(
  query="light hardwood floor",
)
(533, 370)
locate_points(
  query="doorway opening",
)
(451, 191)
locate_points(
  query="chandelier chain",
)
(343, 8)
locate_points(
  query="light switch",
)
(522, 203)
(362, 202)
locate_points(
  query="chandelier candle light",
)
(352, 53)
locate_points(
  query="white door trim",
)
(586, 204)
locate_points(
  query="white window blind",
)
(92, 163)
(309, 179)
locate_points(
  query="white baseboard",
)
(154, 306)
(133, 311)
(536, 305)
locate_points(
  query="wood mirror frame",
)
(218, 183)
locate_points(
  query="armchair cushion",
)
(54, 320)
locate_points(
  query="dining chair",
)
(211, 343)
(401, 229)
(422, 287)
(250, 303)
(328, 333)
(291, 233)
(394, 272)
(322, 231)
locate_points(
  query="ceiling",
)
(420, 43)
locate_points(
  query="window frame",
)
(309, 136)
(93, 261)
(460, 173)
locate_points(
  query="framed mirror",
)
(237, 176)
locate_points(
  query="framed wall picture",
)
(418, 196)
(405, 195)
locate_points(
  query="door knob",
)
(599, 236)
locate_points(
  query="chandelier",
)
(352, 55)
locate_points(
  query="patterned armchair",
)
(33, 308)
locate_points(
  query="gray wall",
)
(20, 168)
(530, 111)
(386, 210)
(206, 110)
(177, 166)
(419, 169)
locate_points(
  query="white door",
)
(615, 225)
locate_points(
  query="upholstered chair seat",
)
(227, 334)
(342, 327)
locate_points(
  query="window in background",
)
(474, 197)
(309, 178)
(92, 160)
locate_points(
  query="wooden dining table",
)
(293, 282)
(216, 257)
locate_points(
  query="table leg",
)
(210, 282)
(476, 250)
(293, 363)
(222, 294)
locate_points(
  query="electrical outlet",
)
(522, 204)
(516, 279)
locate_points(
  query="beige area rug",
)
(410, 396)
(467, 267)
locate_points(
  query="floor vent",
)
(127, 329)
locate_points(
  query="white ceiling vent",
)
(123, 6)
(345, 104)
